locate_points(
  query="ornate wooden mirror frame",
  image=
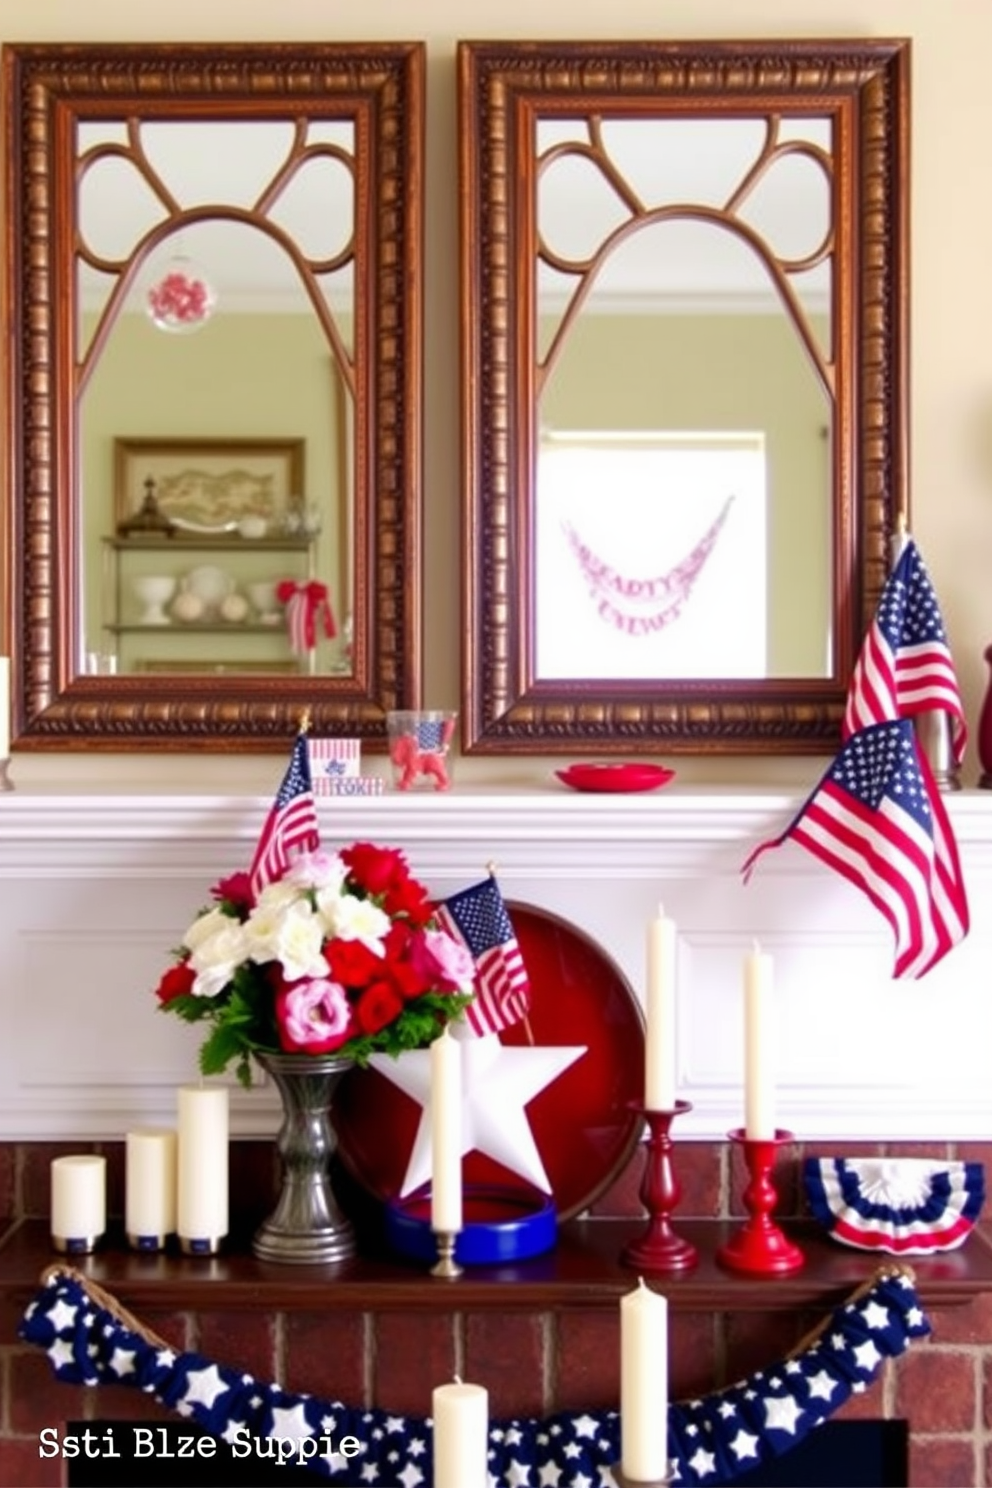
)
(858, 90)
(51, 93)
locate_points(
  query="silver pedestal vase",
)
(306, 1225)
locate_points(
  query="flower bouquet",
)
(340, 953)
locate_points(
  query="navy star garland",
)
(90, 1339)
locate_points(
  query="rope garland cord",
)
(90, 1338)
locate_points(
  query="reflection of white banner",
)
(640, 606)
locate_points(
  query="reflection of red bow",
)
(306, 605)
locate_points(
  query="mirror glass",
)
(235, 387)
(680, 469)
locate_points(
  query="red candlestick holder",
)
(760, 1247)
(660, 1248)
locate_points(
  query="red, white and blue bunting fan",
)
(90, 1339)
(907, 1206)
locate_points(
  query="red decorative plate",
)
(622, 777)
(585, 1123)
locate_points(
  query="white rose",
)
(292, 935)
(278, 896)
(216, 956)
(349, 918)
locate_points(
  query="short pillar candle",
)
(202, 1164)
(150, 1187)
(461, 1435)
(644, 1385)
(79, 1202)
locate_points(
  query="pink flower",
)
(314, 1017)
(442, 960)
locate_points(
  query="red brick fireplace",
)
(531, 1361)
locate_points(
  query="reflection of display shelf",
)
(229, 544)
(244, 561)
(191, 627)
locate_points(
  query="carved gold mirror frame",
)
(512, 96)
(52, 95)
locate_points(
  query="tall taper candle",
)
(446, 1134)
(202, 1162)
(4, 706)
(79, 1201)
(759, 1047)
(644, 1385)
(149, 1186)
(659, 1043)
(461, 1435)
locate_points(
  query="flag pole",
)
(933, 728)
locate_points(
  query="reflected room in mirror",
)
(222, 337)
(684, 319)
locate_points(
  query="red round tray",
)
(585, 1123)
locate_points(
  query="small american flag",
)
(478, 918)
(878, 819)
(905, 665)
(434, 735)
(291, 823)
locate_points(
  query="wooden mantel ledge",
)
(582, 1271)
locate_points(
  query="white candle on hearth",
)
(461, 1435)
(202, 1163)
(446, 1134)
(759, 1050)
(644, 1385)
(150, 1183)
(659, 1056)
(79, 1197)
(4, 706)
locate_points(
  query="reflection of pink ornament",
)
(182, 299)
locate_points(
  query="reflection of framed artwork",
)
(218, 668)
(211, 484)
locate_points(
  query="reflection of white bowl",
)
(262, 594)
(154, 591)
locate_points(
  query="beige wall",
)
(951, 342)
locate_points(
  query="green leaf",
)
(224, 1043)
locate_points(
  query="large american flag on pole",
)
(291, 824)
(877, 818)
(479, 920)
(905, 666)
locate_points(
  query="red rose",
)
(375, 869)
(409, 898)
(351, 962)
(378, 1006)
(176, 982)
(236, 890)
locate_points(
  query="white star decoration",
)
(62, 1315)
(781, 1413)
(821, 1386)
(203, 1387)
(497, 1083)
(744, 1445)
(291, 1422)
(875, 1315)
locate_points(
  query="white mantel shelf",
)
(96, 887)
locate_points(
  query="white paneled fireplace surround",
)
(97, 889)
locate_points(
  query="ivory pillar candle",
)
(461, 1436)
(759, 1047)
(446, 1134)
(644, 1385)
(4, 706)
(79, 1201)
(202, 1153)
(659, 1041)
(150, 1186)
